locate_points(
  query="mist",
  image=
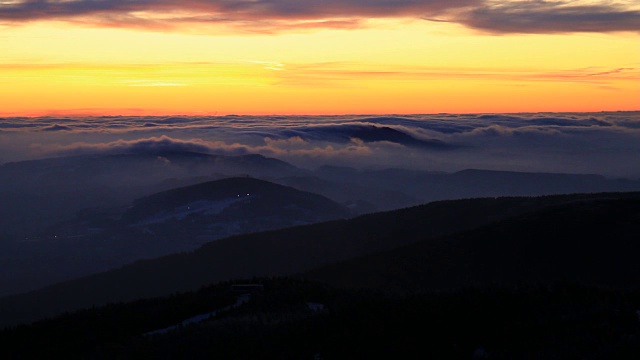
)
(585, 143)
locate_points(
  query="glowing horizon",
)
(119, 58)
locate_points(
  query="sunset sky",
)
(207, 57)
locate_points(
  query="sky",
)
(292, 57)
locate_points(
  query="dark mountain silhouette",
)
(293, 319)
(387, 189)
(360, 199)
(391, 188)
(303, 248)
(368, 133)
(240, 200)
(39, 193)
(591, 242)
(430, 186)
(168, 222)
(529, 184)
(558, 282)
(371, 133)
(61, 218)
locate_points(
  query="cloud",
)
(367, 130)
(154, 145)
(277, 15)
(221, 10)
(295, 150)
(337, 74)
(604, 143)
(542, 120)
(542, 17)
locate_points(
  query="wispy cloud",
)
(333, 74)
(152, 83)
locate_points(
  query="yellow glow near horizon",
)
(392, 66)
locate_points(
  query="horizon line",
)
(136, 113)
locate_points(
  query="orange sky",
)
(377, 65)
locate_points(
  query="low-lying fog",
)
(598, 143)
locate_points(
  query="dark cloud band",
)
(551, 17)
(494, 16)
(230, 9)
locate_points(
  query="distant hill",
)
(388, 189)
(473, 183)
(233, 205)
(39, 193)
(300, 249)
(167, 222)
(361, 199)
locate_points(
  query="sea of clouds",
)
(606, 143)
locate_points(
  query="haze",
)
(586, 143)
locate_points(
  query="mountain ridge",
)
(274, 253)
(163, 223)
(590, 242)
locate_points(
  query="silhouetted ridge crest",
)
(410, 249)
(232, 189)
(592, 241)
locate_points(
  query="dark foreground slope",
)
(557, 282)
(282, 252)
(301, 320)
(591, 242)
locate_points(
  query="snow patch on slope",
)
(204, 207)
